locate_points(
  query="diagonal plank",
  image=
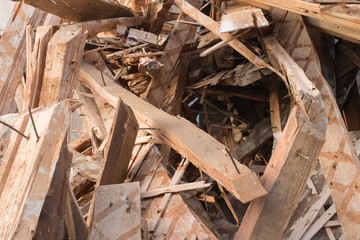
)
(197, 146)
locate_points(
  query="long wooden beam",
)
(338, 159)
(78, 11)
(338, 23)
(294, 157)
(191, 142)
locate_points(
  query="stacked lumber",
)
(180, 120)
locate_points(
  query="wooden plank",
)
(13, 54)
(207, 153)
(156, 90)
(262, 133)
(268, 216)
(338, 158)
(136, 36)
(36, 66)
(82, 11)
(275, 115)
(51, 223)
(175, 188)
(117, 212)
(64, 54)
(121, 143)
(29, 165)
(242, 19)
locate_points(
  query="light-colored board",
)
(117, 212)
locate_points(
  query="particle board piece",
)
(29, 165)
(63, 59)
(267, 217)
(338, 159)
(13, 54)
(194, 144)
(117, 212)
(82, 11)
(242, 19)
(122, 139)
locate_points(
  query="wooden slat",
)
(121, 143)
(82, 11)
(194, 144)
(64, 54)
(117, 212)
(175, 189)
(338, 158)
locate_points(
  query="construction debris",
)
(180, 120)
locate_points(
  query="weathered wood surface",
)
(36, 66)
(180, 220)
(13, 54)
(337, 158)
(63, 59)
(267, 217)
(242, 19)
(117, 212)
(51, 223)
(82, 11)
(27, 168)
(332, 21)
(122, 139)
(157, 89)
(194, 144)
(261, 134)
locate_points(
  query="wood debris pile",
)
(182, 119)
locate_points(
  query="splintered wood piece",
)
(82, 11)
(64, 54)
(157, 89)
(261, 134)
(13, 54)
(320, 222)
(181, 219)
(305, 221)
(91, 114)
(121, 143)
(213, 26)
(267, 217)
(141, 36)
(117, 212)
(51, 223)
(338, 159)
(29, 165)
(36, 66)
(194, 144)
(242, 19)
